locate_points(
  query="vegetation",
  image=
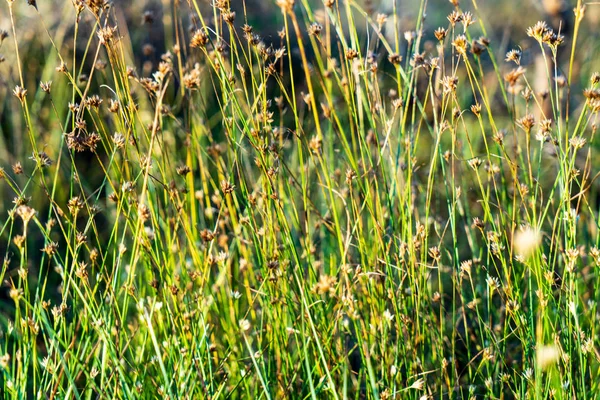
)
(339, 209)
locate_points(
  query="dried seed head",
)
(454, 17)
(46, 86)
(460, 44)
(381, 19)
(119, 140)
(440, 34)
(449, 83)
(513, 76)
(144, 212)
(395, 58)
(315, 29)
(538, 31)
(467, 20)
(26, 213)
(514, 56)
(199, 39)
(113, 105)
(50, 248)
(42, 159)
(75, 204)
(17, 168)
(227, 187)
(183, 170)
(351, 54)
(527, 122)
(20, 93)
(229, 17)
(106, 35)
(477, 48)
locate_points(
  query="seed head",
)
(106, 35)
(199, 39)
(460, 44)
(440, 34)
(20, 93)
(527, 122)
(538, 31)
(46, 86)
(514, 56)
(227, 187)
(315, 29)
(26, 213)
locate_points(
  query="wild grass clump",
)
(350, 205)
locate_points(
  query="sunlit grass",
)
(340, 210)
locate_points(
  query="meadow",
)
(299, 199)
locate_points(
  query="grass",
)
(338, 210)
